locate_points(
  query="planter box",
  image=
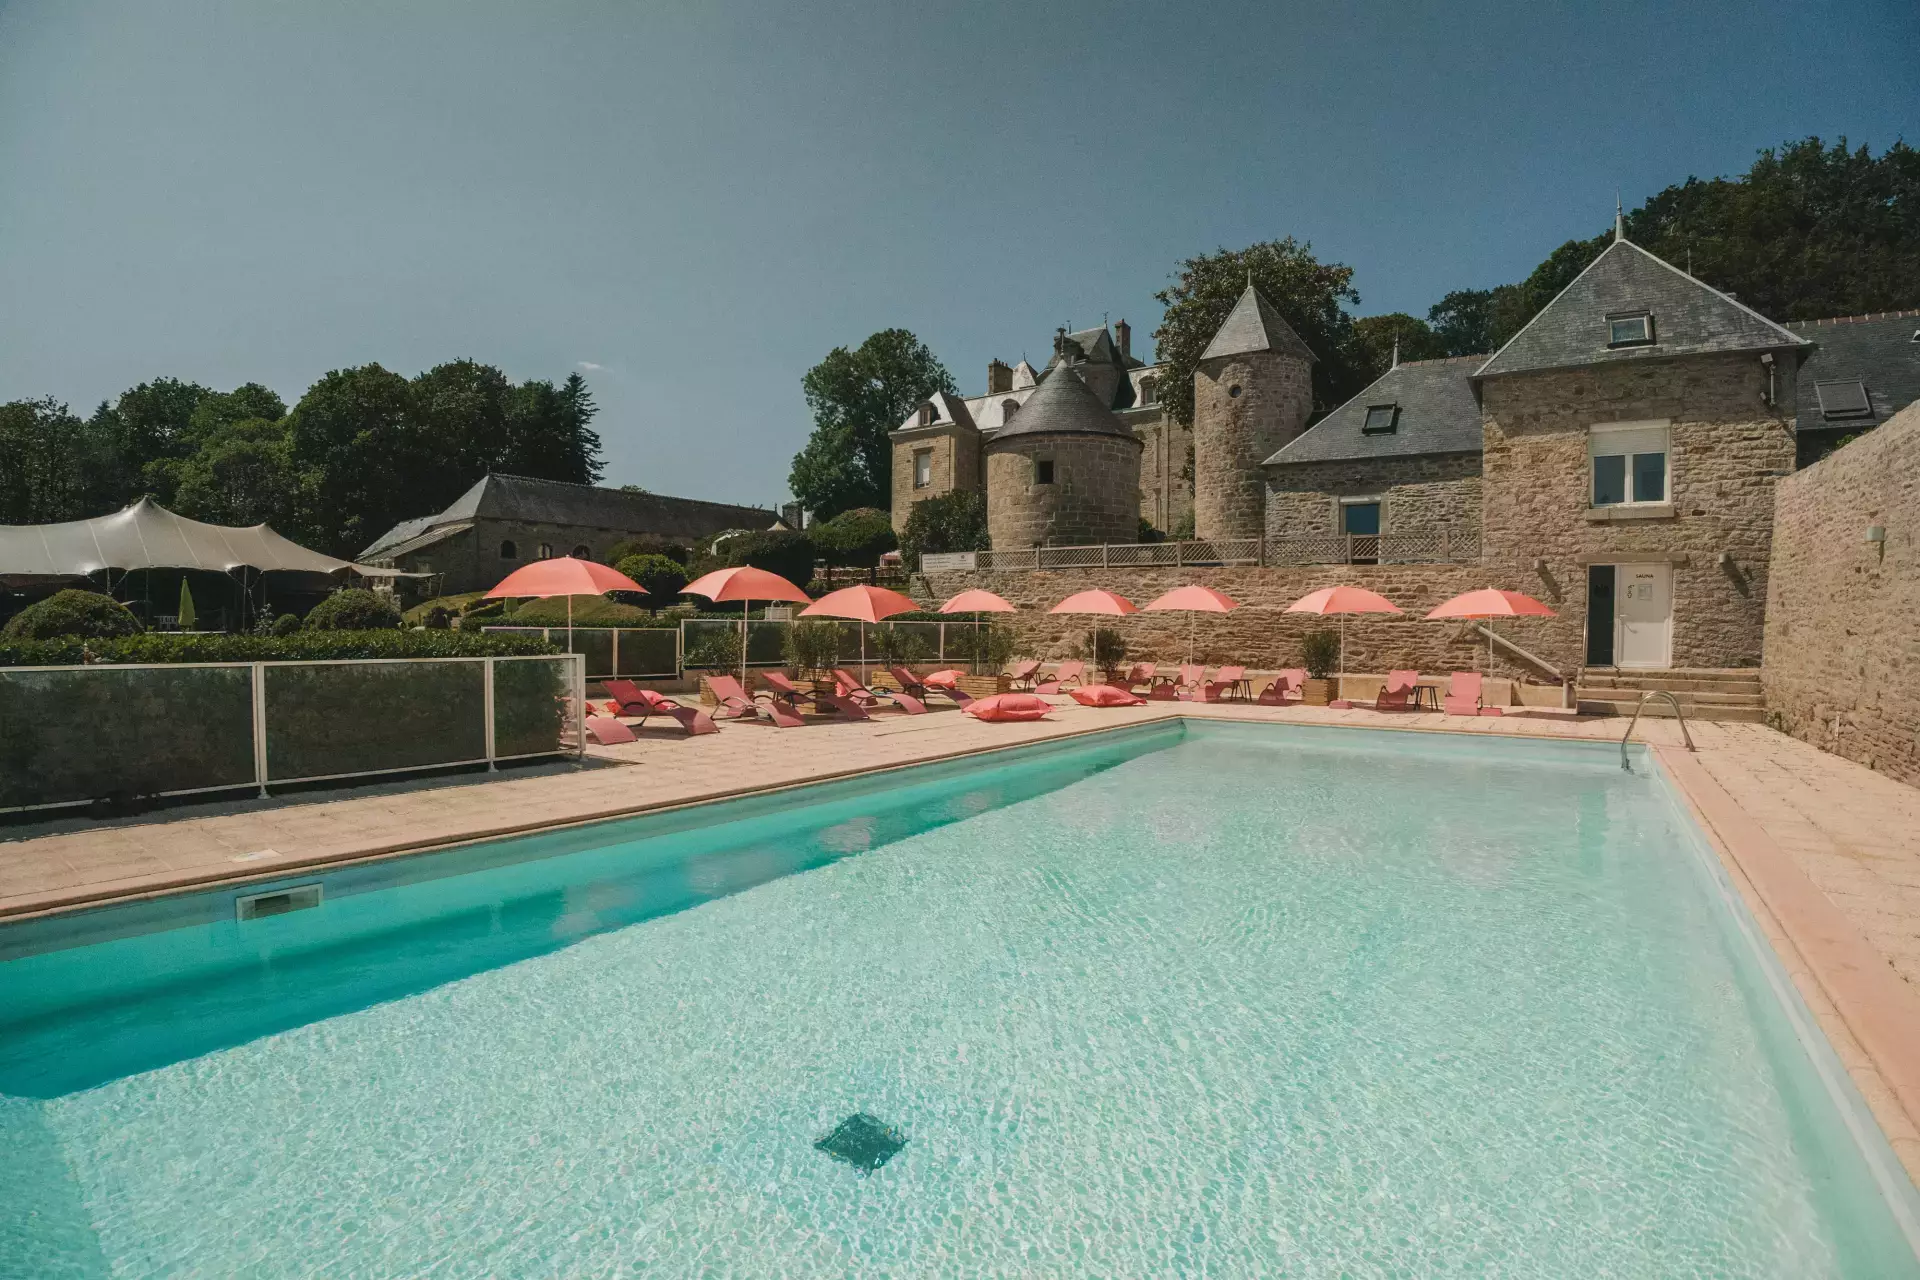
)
(1318, 692)
(984, 686)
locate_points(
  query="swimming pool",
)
(1184, 999)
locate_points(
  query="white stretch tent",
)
(148, 536)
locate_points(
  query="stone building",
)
(1252, 394)
(1396, 470)
(942, 446)
(505, 521)
(1862, 371)
(1064, 470)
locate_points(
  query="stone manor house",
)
(1617, 457)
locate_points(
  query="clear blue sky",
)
(695, 202)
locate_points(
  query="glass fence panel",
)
(532, 706)
(325, 718)
(653, 651)
(596, 643)
(766, 644)
(107, 732)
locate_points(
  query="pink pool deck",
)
(1825, 852)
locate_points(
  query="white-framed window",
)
(1007, 409)
(1629, 329)
(926, 414)
(1149, 391)
(922, 468)
(1629, 464)
(1381, 420)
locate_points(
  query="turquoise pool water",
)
(1220, 1000)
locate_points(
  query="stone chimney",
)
(999, 377)
(1123, 336)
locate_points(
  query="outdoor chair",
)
(910, 683)
(1074, 671)
(1464, 696)
(1288, 686)
(632, 700)
(1140, 673)
(861, 696)
(789, 696)
(1023, 673)
(1187, 686)
(1397, 694)
(606, 731)
(1227, 682)
(735, 703)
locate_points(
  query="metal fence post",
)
(260, 727)
(486, 709)
(616, 653)
(680, 650)
(579, 705)
(943, 645)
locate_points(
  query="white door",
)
(1643, 615)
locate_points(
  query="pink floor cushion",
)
(1010, 706)
(943, 679)
(606, 731)
(1105, 695)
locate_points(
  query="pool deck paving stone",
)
(1825, 852)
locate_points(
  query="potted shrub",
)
(1109, 653)
(717, 653)
(986, 651)
(810, 650)
(1318, 654)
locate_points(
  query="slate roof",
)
(1883, 351)
(1438, 413)
(948, 411)
(1063, 405)
(1689, 318)
(1254, 325)
(532, 501)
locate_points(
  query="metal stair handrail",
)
(1673, 702)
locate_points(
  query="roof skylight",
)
(1629, 329)
(1843, 398)
(1381, 420)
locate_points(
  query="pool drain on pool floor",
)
(863, 1142)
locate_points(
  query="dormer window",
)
(1630, 329)
(1382, 419)
(1844, 398)
(1149, 391)
(1007, 408)
(926, 414)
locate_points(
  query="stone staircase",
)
(1703, 693)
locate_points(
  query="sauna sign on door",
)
(1643, 615)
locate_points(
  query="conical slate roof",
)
(1254, 325)
(1063, 405)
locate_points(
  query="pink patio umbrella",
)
(563, 576)
(1343, 601)
(1489, 603)
(1194, 599)
(862, 604)
(977, 601)
(744, 584)
(1103, 604)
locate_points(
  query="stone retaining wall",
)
(1842, 666)
(1259, 634)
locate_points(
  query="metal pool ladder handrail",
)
(1678, 714)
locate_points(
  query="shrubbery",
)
(955, 521)
(301, 645)
(780, 551)
(285, 625)
(86, 614)
(353, 610)
(1319, 651)
(661, 576)
(857, 538)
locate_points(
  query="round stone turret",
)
(1063, 471)
(1252, 394)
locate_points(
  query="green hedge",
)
(300, 646)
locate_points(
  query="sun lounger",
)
(1140, 673)
(1464, 695)
(921, 689)
(1397, 693)
(1187, 686)
(1226, 683)
(789, 696)
(1074, 671)
(1288, 686)
(1023, 673)
(606, 731)
(735, 703)
(859, 695)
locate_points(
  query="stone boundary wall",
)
(1842, 661)
(1258, 634)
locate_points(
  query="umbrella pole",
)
(1191, 624)
(746, 607)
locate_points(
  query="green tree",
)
(1309, 294)
(1370, 350)
(955, 521)
(662, 577)
(247, 402)
(780, 551)
(856, 398)
(857, 538)
(357, 447)
(1463, 321)
(140, 432)
(53, 466)
(459, 410)
(241, 474)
